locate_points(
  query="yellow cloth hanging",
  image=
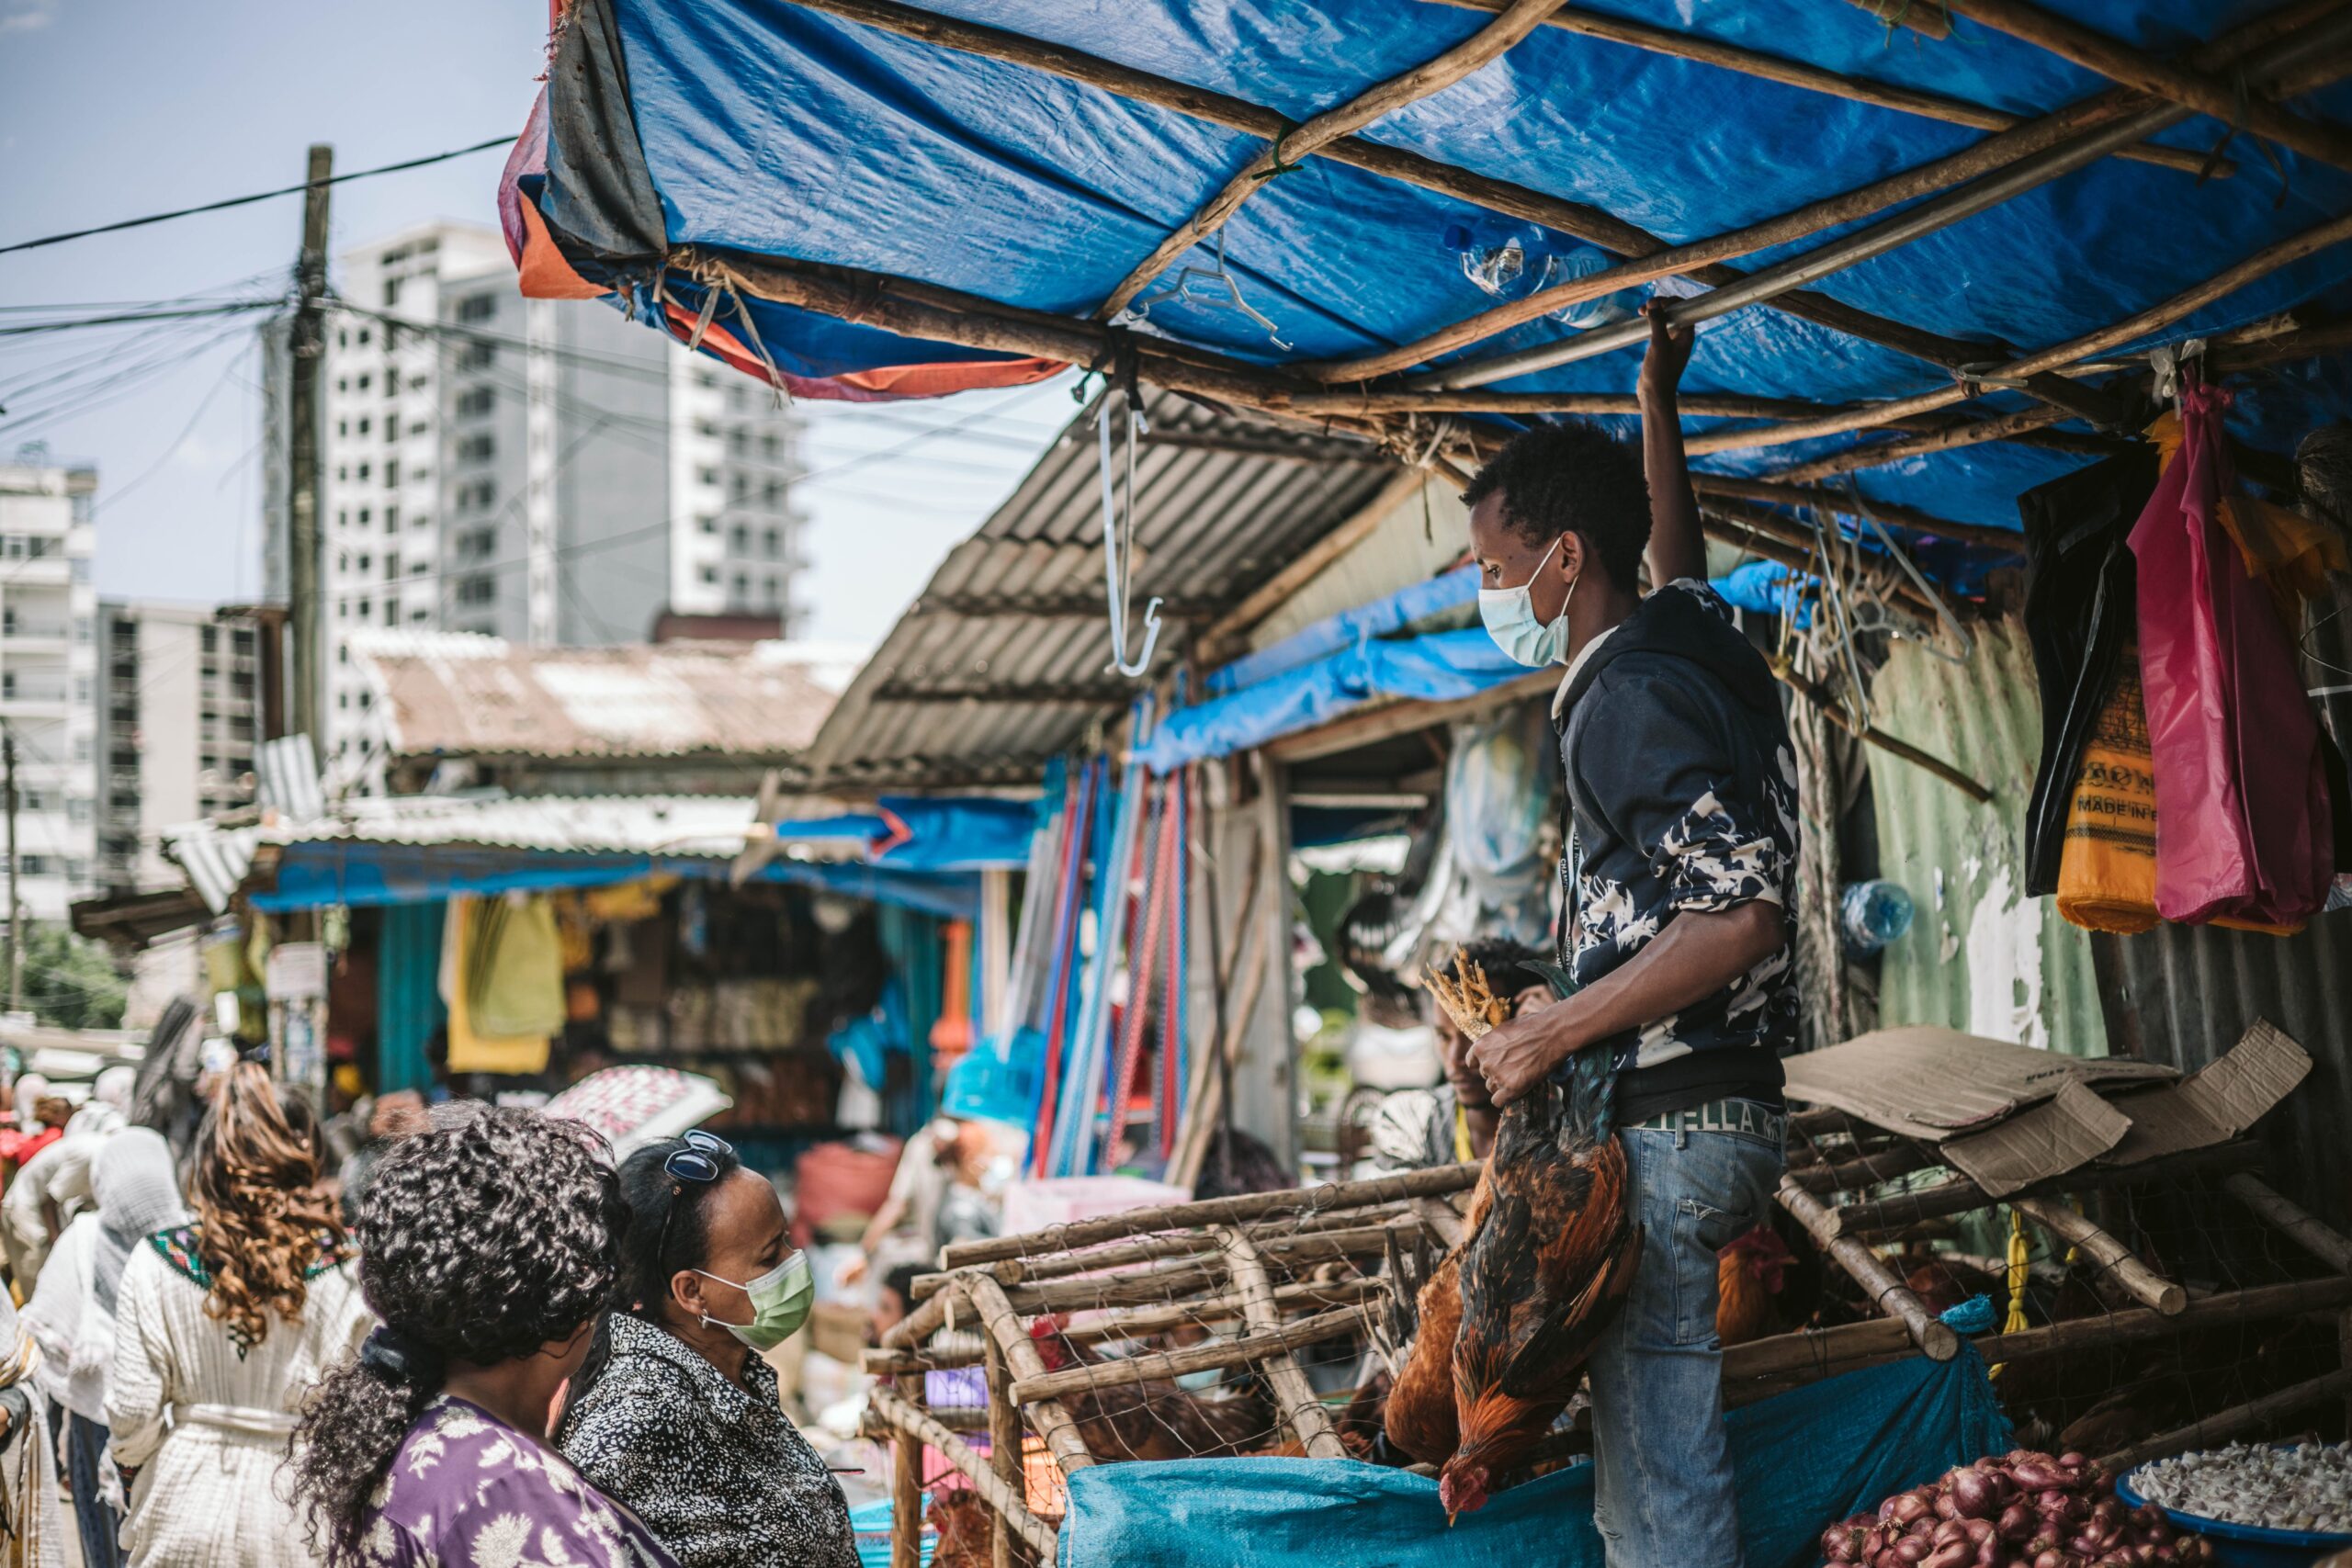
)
(638, 901)
(470, 1051)
(2107, 871)
(1463, 1153)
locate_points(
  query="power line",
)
(231, 307)
(258, 196)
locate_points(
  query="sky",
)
(111, 110)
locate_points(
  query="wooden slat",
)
(1309, 1420)
(1052, 1421)
(2142, 1284)
(2252, 1417)
(1157, 1365)
(1004, 1496)
(1935, 1338)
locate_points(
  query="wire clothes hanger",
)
(1213, 289)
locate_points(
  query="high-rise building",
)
(47, 665)
(177, 709)
(540, 470)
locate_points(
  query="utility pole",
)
(307, 348)
(16, 905)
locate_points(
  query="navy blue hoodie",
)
(1682, 789)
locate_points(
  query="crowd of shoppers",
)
(472, 1339)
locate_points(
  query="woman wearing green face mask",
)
(676, 1413)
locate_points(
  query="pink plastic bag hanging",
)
(2242, 831)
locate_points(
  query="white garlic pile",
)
(2304, 1487)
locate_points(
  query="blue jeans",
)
(1662, 1482)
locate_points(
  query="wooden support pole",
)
(1811, 690)
(1309, 1421)
(1013, 1271)
(1053, 1423)
(2100, 126)
(1197, 1271)
(1704, 50)
(916, 1427)
(1004, 1451)
(906, 1476)
(1473, 54)
(2001, 428)
(1161, 1364)
(1309, 1201)
(2144, 1285)
(1775, 493)
(1571, 217)
(2095, 50)
(2291, 1220)
(1853, 1175)
(1937, 1339)
(928, 1318)
(1960, 1195)
(2253, 1415)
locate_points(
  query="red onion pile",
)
(2019, 1510)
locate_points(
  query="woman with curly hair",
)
(491, 1241)
(218, 1327)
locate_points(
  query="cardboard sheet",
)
(2070, 1129)
(2214, 1103)
(1931, 1083)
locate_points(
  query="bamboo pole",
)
(2142, 1284)
(1960, 1195)
(1572, 218)
(1878, 455)
(2095, 50)
(927, 1319)
(1852, 1176)
(1157, 1365)
(1206, 1108)
(1990, 189)
(1811, 690)
(1936, 1338)
(1704, 50)
(2252, 1415)
(1778, 492)
(1052, 1421)
(2004, 150)
(2291, 1220)
(1196, 1271)
(1004, 1451)
(916, 1427)
(1927, 20)
(906, 1476)
(1309, 1200)
(1309, 1421)
(1473, 54)
(1011, 1271)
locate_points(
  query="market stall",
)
(1967, 279)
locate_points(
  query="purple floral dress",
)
(468, 1491)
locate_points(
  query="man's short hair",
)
(1572, 477)
(901, 1282)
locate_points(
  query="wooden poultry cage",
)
(1291, 1270)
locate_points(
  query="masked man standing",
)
(1680, 870)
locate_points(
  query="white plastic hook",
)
(1118, 562)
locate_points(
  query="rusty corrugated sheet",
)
(1981, 956)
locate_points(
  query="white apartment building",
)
(47, 666)
(178, 713)
(546, 471)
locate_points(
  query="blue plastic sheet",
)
(1383, 617)
(1437, 668)
(929, 833)
(1805, 1461)
(776, 130)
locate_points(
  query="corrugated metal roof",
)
(217, 859)
(1980, 956)
(1003, 659)
(462, 694)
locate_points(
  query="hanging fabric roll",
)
(1144, 951)
(1167, 1103)
(1077, 822)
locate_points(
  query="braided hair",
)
(482, 1240)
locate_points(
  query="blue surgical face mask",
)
(1509, 615)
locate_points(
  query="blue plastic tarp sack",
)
(1805, 1460)
(1383, 617)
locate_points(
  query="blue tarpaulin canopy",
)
(744, 140)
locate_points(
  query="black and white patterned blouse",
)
(715, 1473)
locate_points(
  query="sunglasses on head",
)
(698, 1162)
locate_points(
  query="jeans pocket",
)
(1701, 1231)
